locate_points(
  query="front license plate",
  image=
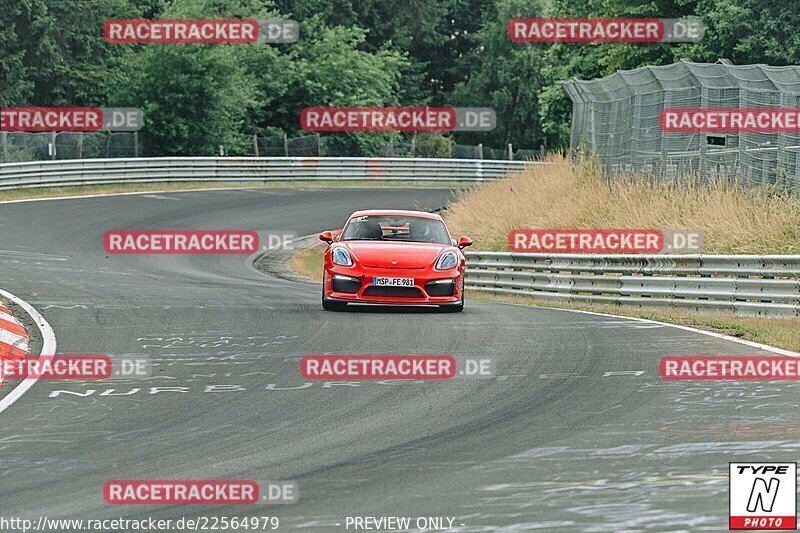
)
(393, 282)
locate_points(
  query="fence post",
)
(255, 144)
(480, 150)
(108, 143)
(135, 144)
(285, 145)
(414, 144)
(510, 152)
(4, 138)
(542, 152)
(80, 145)
(319, 146)
(221, 151)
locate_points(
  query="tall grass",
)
(566, 194)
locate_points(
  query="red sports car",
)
(391, 257)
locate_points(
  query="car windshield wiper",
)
(365, 239)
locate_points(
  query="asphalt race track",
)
(576, 433)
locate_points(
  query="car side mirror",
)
(326, 236)
(463, 242)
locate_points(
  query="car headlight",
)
(340, 256)
(447, 261)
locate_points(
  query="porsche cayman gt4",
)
(391, 257)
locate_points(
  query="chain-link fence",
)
(19, 147)
(617, 118)
(16, 147)
(331, 146)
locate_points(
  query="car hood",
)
(394, 254)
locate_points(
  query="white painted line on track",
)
(752, 344)
(103, 195)
(48, 349)
(293, 186)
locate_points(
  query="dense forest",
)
(352, 53)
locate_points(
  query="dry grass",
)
(569, 195)
(309, 262)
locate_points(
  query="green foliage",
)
(431, 144)
(53, 52)
(747, 31)
(353, 53)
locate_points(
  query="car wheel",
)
(332, 306)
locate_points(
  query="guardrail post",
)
(480, 150)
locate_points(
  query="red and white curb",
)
(15, 343)
(13, 336)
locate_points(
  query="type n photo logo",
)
(763, 496)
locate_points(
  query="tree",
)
(505, 76)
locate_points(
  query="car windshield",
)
(396, 228)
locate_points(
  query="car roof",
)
(395, 212)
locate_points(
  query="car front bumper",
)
(431, 287)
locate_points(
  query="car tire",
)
(332, 306)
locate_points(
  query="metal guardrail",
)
(742, 284)
(177, 169)
(748, 285)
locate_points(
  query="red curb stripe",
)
(11, 352)
(16, 329)
(6, 311)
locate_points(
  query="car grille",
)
(443, 288)
(394, 292)
(346, 284)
